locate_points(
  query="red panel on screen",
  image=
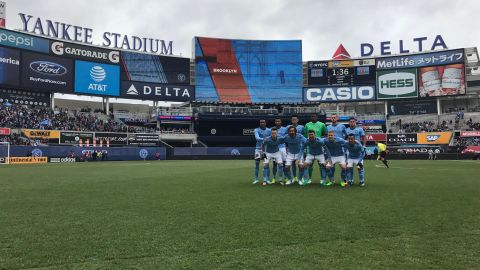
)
(225, 70)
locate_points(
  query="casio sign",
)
(339, 94)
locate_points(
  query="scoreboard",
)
(341, 72)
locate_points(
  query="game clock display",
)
(341, 73)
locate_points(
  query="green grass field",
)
(207, 215)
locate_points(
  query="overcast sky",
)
(321, 25)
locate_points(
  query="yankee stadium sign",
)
(60, 30)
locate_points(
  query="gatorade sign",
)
(401, 83)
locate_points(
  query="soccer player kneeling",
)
(356, 153)
(272, 152)
(335, 148)
(315, 146)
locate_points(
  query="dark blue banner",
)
(112, 153)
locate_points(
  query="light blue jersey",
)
(316, 147)
(294, 145)
(339, 129)
(260, 135)
(358, 132)
(271, 145)
(335, 148)
(355, 151)
(282, 132)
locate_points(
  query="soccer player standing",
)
(335, 147)
(294, 143)
(272, 152)
(382, 153)
(299, 130)
(359, 135)
(316, 148)
(339, 132)
(355, 155)
(261, 133)
(281, 132)
(320, 130)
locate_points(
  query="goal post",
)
(4, 153)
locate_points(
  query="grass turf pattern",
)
(208, 215)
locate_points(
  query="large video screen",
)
(150, 68)
(421, 75)
(248, 71)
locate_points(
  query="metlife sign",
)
(149, 91)
(9, 67)
(97, 79)
(336, 94)
(401, 83)
(27, 42)
(42, 72)
(84, 52)
(422, 60)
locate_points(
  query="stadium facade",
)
(227, 87)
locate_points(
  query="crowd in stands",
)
(415, 127)
(17, 116)
(164, 129)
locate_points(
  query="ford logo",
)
(48, 68)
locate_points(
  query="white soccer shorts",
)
(292, 157)
(352, 161)
(277, 156)
(340, 159)
(258, 153)
(311, 158)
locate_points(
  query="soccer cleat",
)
(362, 184)
(289, 182)
(343, 184)
(264, 184)
(273, 181)
(295, 179)
(307, 182)
(330, 183)
(350, 183)
(300, 182)
(322, 183)
(255, 181)
(281, 182)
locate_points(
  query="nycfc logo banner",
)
(160, 92)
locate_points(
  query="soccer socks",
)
(257, 168)
(280, 172)
(350, 174)
(300, 173)
(386, 163)
(323, 172)
(306, 174)
(361, 175)
(266, 174)
(331, 173)
(274, 170)
(344, 175)
(288, 174)
(310, 171)
(294, 170)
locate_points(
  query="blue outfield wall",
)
(113, 153)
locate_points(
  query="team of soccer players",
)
(296, 146)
